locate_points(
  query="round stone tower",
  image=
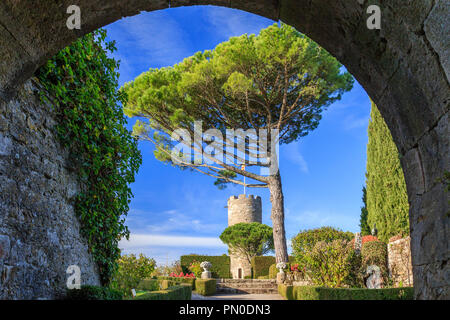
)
(242, 209)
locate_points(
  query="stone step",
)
(247, 290)
(251, 286)
(247, 285)
(246, 281)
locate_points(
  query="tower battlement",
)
(244, 208)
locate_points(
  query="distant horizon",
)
(178, 212)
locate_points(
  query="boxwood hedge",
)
(87, 292)
(175, 280)
(179, 292)
(148, 285)
(261, 265)
(205, 287)
(322, 293)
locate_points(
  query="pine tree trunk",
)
(277, 216)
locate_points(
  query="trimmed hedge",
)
(205, 287)
(220, 264)
(261, 265)
(179, 292)
(148, 285)
(273, 271)
(286, 291)
(175, 280)
(322, 293)
(87, 292)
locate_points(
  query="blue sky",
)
(178, 212)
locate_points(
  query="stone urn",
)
(206, 265)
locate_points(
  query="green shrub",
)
(87, 292)
(354, 278)
(273, 271)
(375, 253)
(305, 240)
(131, 270)
(263, 277)
(327, 264)
(322, 293)
(179, 292)
(205, 287)
(148, 285)
(220, 264)
(261, 265)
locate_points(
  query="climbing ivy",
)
(83, 81)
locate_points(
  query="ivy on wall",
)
(90, 122)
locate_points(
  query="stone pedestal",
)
(206, 275)
(281, 276)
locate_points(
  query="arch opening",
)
(402, 67)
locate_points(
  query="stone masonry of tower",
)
(242, 209)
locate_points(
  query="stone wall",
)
(399, 262)
(242, 209)
(39, 232)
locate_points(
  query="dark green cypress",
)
(363, 224)
(387, 200)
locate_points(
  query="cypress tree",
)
(363, 224)
(387, 200)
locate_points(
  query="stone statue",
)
(374, 230)
(374, 279)
(206, 265)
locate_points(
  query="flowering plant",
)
(365, 239)
(369, 239)
(298, 271)
(182, 275)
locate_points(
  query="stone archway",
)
(404, 67)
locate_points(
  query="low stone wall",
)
(399, 262)
(39, 232)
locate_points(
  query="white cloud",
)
(292, 153)
(233, 22)
(170, 221)
(150, 39)
(150, 240)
